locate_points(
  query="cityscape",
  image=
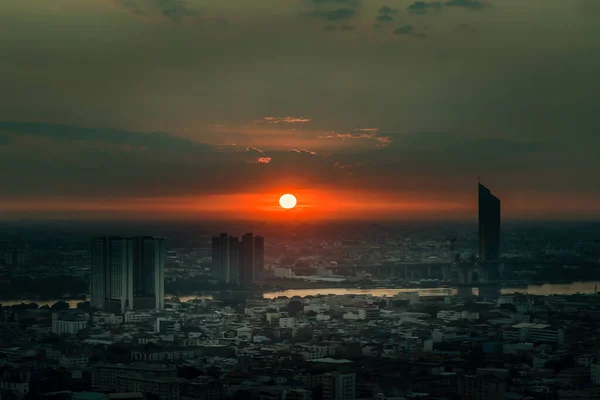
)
(440, 320)
(299, 200)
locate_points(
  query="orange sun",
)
(288, 201)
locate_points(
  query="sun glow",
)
(288, 201)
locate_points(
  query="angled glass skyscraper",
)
(489, 225)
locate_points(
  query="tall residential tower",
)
(225, 258)
(127, 273)
(238, 262)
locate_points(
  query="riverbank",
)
(545, 289)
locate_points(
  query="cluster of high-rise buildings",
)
(238, 261)
(127, 273)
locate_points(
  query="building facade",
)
(238, 262)
(127, 274)
(104, 376)
(69, 323)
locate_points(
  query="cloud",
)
(408, 30)
(468, 4)
(367, 129)
(62, 133)
(386, 166)
(175, 10)
(340, 14)
(422, 7)
(67, 160)
(352, 3)
(345, 136)
(303, 151)
(287, 120)
(383, 141)
(384, 18)
(369, 134)
(387, 10)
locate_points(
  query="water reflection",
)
(546, 289)
(539, 290)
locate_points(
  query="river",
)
(545, 289)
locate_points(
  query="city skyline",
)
(383, 110)
(276, 200)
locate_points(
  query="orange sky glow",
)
(312, 205)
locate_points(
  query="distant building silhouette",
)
(127, 273)
(489, 225)
(235, 261)
(259, 257)
(18, 254)
(225, 258)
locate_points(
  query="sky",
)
(364, 109)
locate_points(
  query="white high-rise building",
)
(127, 274)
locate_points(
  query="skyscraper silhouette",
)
(235, 261)
(489, 225)
(259, 257)
(127, 273)
(225, 258)
(252, 257)
(247, 258)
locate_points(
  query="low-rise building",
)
(69, 323)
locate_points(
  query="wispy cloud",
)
(384, 141)
(347, 136)
(175, 10)
(367, 130)
(384, 18)
(408, 30)
(369, 134)
(303, 151)
(353, 3)
(387, 10)
(468, 4)
(423, 7)
(287, 120)
(340, 14)
(254, 149)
